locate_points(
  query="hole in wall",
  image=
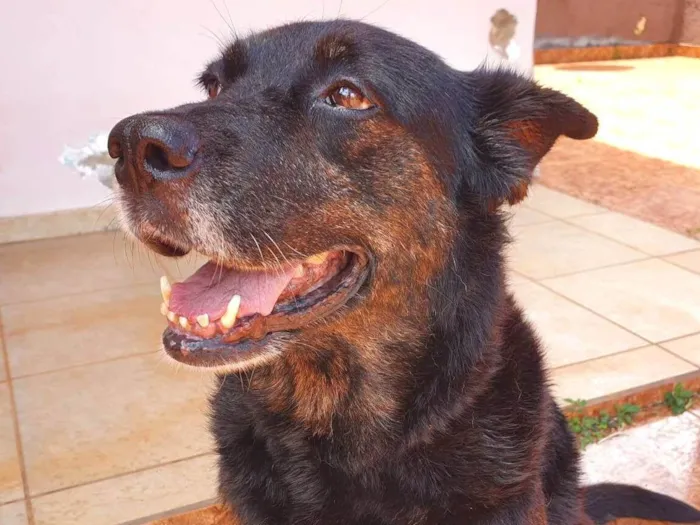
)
(502, 33)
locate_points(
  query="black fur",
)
(607, 501)
(424, 401)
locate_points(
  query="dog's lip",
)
(250, 335)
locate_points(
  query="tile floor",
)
(96, 428)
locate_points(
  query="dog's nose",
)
(153, 147)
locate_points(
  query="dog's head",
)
(341, 180)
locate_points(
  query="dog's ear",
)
(514, 123)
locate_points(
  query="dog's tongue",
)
(209, 290)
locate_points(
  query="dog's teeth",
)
(184, 322)
(165, 290)
(317, 259)
(299, 272)
(229, 318)
(203, 320)
(163, 309)
(171, 317)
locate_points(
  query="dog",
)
(349, 191)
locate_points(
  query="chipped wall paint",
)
(91, 75)
(502, 34)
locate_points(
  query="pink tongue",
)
(211, 287)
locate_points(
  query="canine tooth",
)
(229, 318)
(203, 320)
(317, 259)
(165, 289)
(163, 309)
(184, 322)
(171, 317)
(299, 272)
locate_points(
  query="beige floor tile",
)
(131, 497)
(88, 423)
(558, 204)
(689, 260)
(86, 328)
(56, 267)
(515, 279)
(570, 333)
(524, 216)
(10, 472)
(616, 373)
(14, 513)
(652, 298)
(556, 248)
(3, 372)
(686, 347)
(640, 235)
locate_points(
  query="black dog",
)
(346, 185)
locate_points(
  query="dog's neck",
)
(326, 387)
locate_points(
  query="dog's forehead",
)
(290, 48)
(282, 51)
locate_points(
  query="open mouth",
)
(223, 315)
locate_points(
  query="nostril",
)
(114, 148)
(157, 158)
(165, 161)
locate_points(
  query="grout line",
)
(635, 248)
(15, 422)
(598, 314)
(683, 252)
(649, 341)
(135, 284)
(121, 475)
(604, 267)
(85, 365)
(665, 259)
(601, 357)
(694, 365)
(587, 270)
(677, 338)
(563, 219)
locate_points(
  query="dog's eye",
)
(348, 97)
(213, 89)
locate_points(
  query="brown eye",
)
(213, 89)
(349, 98)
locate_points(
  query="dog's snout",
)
(153, 148)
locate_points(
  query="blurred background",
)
(95, 428)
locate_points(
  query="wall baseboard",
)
(58, 224)
(595, 54)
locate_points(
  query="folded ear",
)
(516, 124)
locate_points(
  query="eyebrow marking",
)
(335, 48)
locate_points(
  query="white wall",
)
(71, 68)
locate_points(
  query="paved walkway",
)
(616, 300)
(645, 160)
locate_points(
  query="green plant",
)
(625, 414)
(679, 399)
(590, 429)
